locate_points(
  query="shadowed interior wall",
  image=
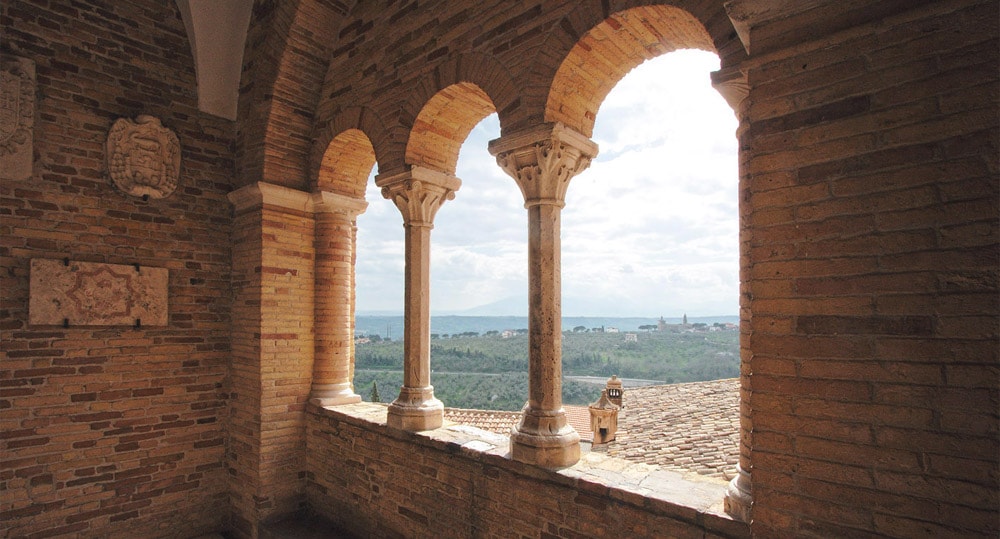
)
(114, 431)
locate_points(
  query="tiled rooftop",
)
(692, 427)
(495, 421)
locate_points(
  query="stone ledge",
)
(690, 498)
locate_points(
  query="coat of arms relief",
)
(17, 117)
(144, 158)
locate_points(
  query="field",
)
(490, 372)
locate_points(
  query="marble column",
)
(733, 85)
(334, 336)
(418, 193)
(542, 160)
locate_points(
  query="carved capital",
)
(418, 193)
(542, 160)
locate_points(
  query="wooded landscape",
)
(489, 371)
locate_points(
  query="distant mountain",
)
(571, 306)
(392, 325)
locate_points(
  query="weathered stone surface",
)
(89, 294)
(17, 117)
(144, 158)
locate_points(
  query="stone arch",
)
(612, 48)
(345, 152)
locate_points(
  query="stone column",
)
(542, 160)
(418, 193)
(732, 84)
(332, 382)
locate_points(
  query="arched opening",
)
(443, 125)
(347, 164)
(418, 191)
(651, 231)
(606, 53)
(622, 233)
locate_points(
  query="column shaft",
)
(333, 312)
(417, 310)
(334, 337)
(544, 308)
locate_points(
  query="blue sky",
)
(650, 229)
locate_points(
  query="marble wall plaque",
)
(91, 294)
(17, 117)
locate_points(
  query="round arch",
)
(444, 107)
(607, 52)
(443, 125)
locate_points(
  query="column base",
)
(544, 438)
(739, 498)
(333, 394)
(415, 409)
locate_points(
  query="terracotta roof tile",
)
(496, 421)
(692, 427)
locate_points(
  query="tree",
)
(374, 395)
(579, 329)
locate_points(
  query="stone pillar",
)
(334, 340)
(542, 160)
(734, 87)
(418, 193)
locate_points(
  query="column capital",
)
(348, 206)
(418, 193)
(543, 159)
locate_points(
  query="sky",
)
(650, 229)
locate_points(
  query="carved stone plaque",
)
(90, 294)
(17, 117)
(144, 158)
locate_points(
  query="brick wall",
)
(873, 269)
(112, 431)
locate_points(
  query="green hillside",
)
(490, 371)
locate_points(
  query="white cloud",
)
(650, 228)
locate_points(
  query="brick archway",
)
(345, 152)
(608, 51)
(443, 125)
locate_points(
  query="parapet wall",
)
(457, 482)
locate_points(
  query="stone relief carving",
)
(87, 294)
(17, 117)
(144, 158)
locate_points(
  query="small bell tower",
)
(615, 392)
(603, 419)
